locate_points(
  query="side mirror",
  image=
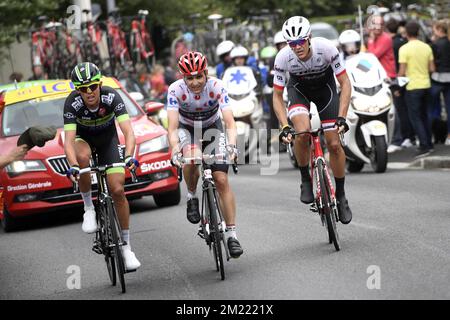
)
(152, 108)
(137, 96)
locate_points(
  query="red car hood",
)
(143, 128)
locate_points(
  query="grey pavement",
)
(438, 159)
(396, 247)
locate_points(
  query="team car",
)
(39, 182)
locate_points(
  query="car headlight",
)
(372, 105)
(22, 166)
(154, 145)
(359, 104)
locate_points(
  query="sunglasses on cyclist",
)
(298, 42)
(92, 87)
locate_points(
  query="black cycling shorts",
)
(325, 98)
(213, 141)
(107, 147)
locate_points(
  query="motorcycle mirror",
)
(152, 108)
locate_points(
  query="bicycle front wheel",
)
(327, 206)
(216, 236)
(105, 239)
(116, 241)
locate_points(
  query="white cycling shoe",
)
(131, 262)
(89, 221)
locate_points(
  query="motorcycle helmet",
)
(268, 52)
(238, 51)
(350, 41)
(224, 47)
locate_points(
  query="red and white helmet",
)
(192, 63)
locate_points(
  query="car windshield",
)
(20, 116)
(329, 34)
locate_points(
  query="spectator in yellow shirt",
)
(416, 63)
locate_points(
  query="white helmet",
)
(224, 47)
(295, 28)
(238, 51)
(349, 36)
(278, 38)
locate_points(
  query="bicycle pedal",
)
(200, 233)
(97, 249)
(129, 271)
(313, 207)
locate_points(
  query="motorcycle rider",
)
(239, 56)
(350, 42)
(223, 51)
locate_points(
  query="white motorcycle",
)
(370, 116)
(247, 109)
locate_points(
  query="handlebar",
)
(197, 160)
(104, 168)
(316, 132)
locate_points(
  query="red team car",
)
(39, 182)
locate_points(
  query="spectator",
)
(18, 153)
(440, 80)
(157, 82)
(380, 44)
(16, 76)
(416, 62)
(169, 72)
(403, 132)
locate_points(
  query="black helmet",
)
(85, 73)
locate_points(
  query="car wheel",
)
(167, 199)
(8, 222)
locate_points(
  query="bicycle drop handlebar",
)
(205, 157)
(316, 132)
(104, 168)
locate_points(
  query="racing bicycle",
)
(212, 224)
(141, 44)
(108, 238)
(325, 200)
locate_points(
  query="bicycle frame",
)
(212, 223)
(107, 216)
(325, 201)
(317, 155)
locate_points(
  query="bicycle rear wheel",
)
(104, 234)
(215, 233)
(116, 240)
(327, 210)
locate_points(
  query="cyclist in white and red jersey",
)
(194, 104)
(307, 67)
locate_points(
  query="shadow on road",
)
(73, 215)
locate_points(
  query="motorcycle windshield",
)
(365, 71)
(239, 81)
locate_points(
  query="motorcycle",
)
(240, 84)
(371, 114)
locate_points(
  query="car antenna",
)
(15, 83)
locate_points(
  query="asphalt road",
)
(396, 247)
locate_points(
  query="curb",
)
(435, 162)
